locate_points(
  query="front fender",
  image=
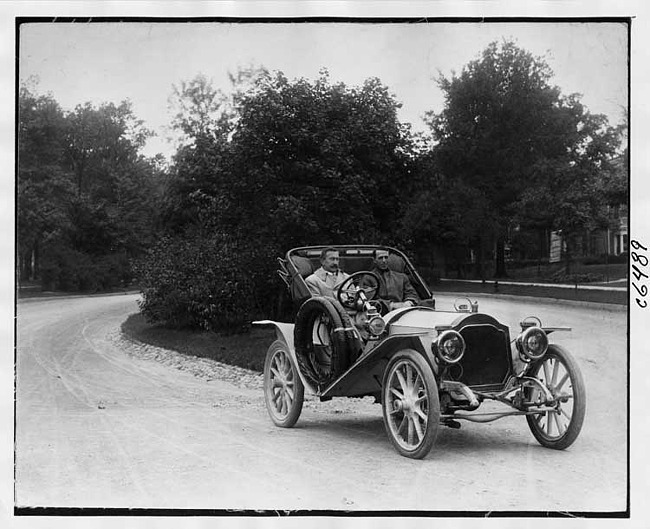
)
(366, 374)
(284, 333)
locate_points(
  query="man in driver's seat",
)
(324, 280)
(394, 287)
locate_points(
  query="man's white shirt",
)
(323, 283)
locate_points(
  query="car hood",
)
(418, 320)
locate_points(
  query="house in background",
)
(613, 240)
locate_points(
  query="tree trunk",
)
(501, 258)
(541, 250)
(35, 263)
(567, 254)
(480, 269)
(26, 264)
(21, 267)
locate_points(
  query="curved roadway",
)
(96, 427)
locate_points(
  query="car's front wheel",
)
(411, 406)
(559, 372)
(283, 389)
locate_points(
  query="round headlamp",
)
(450, 347)
(533, 343)
(376, 325)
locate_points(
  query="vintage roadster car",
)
(426, 366)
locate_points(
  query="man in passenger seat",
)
(394, 287)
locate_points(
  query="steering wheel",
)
(349, 292)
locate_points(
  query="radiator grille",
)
(487, 357)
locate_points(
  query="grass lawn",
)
(243, 350)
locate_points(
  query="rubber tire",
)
(278, 351)
(342, 342)
(417, 361)
(579, 400)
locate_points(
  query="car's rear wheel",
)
(283, 389)
(411, 406)
(560, 373)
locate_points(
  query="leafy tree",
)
(571, 193)
(114, 205)
(443, 217)
(43, 180)
(86, 196)
(614, 175)
(314, 162)
(199, 108)
(507, 132)
(202, 111)
(102, 143)
(195, 194)
(321, 161)
(304, 162)
(205, 117)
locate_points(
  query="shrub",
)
(430, 274)
(562, 277)
(526, 263)
(202, 282)
(602, 259)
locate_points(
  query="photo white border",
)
(639, 223)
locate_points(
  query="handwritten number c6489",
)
(639, 258)
(639, 273)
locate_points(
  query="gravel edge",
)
(203, 368)
(207, 369)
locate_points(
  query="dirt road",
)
(97, 427)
